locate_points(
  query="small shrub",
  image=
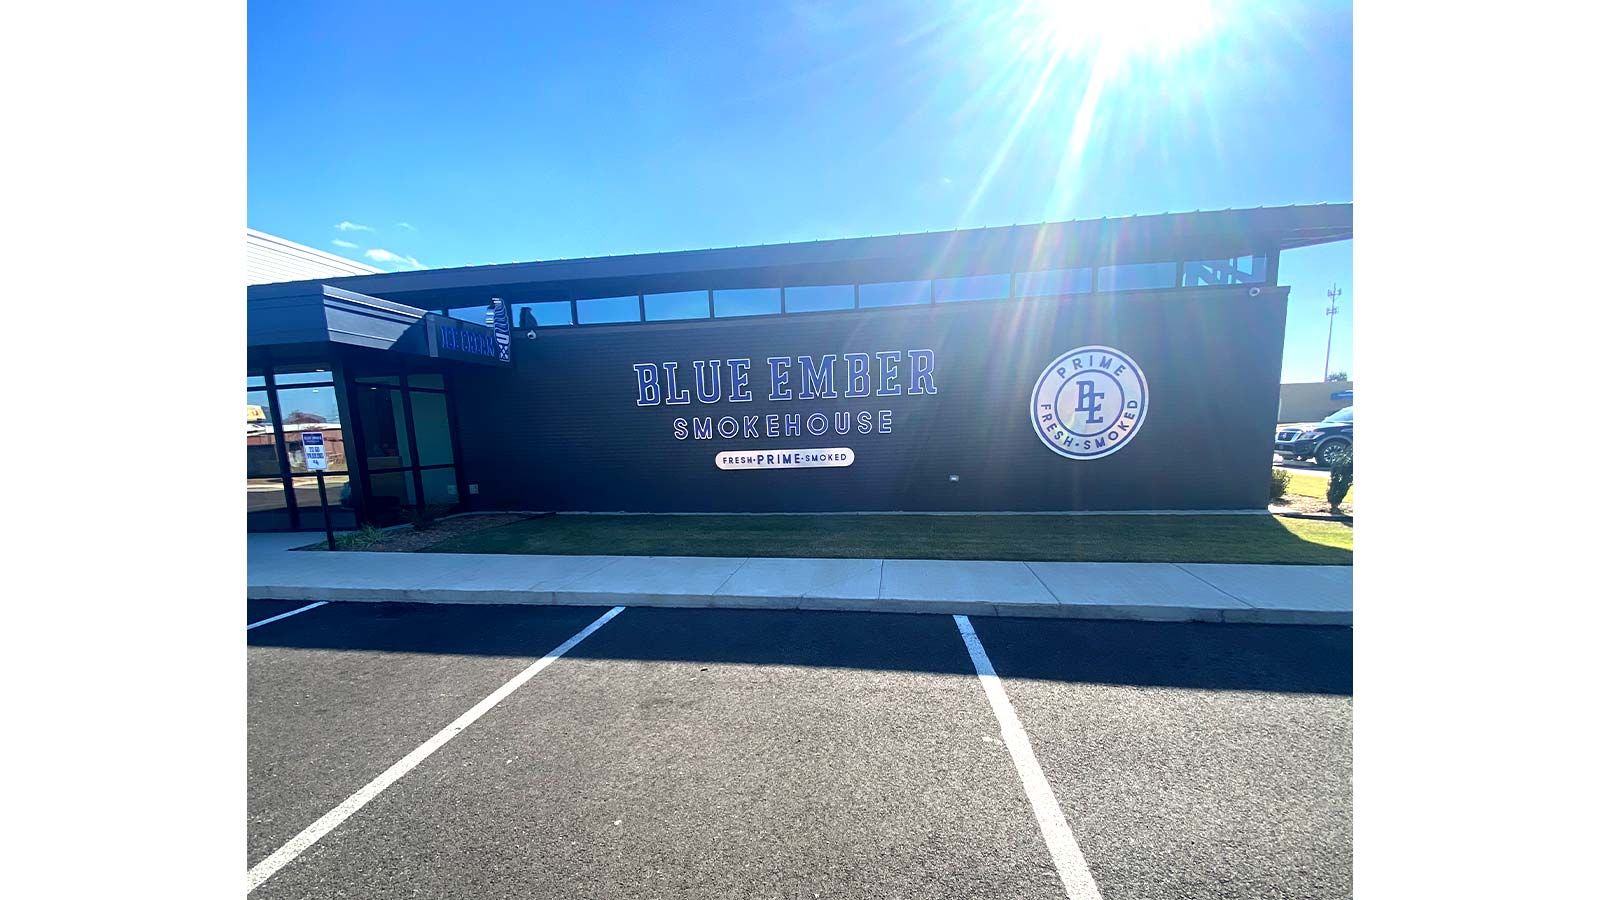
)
(365, 539)
(1280, 485)
(1339, 476)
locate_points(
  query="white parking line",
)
(286, 615)
(1070, 864)
(298, 844)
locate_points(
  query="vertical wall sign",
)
(500, 321)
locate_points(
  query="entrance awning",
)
(306, 313)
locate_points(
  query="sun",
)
(1116, 31)
(1070, 73)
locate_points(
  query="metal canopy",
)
(308, 313)
(1171, 236)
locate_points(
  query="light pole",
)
(1333, 310)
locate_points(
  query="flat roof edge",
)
(1283, 227)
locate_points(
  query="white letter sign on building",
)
(827, 457)
(825, 393)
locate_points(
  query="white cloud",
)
(378, 254)
(348, 225)
(405, 225)
(345, 244)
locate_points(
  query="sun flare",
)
(1072, 73)
(1117, 30)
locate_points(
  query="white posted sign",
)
(316, 455)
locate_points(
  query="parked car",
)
(1317, 440)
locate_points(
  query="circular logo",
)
(1090, 402)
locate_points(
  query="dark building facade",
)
(1127, 364)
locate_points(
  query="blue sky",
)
(447, 135)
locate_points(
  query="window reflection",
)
(677, 305)
(748, 302)
(439, 487)
(896, 293)
(341, 507)
(261, 450)
(302, 375)
(541, 315)
(1050, 282)
(306, 409)
(383, 426)
(266, 504)
(764, 301)
(392, 495)
(1138, 276)
(819, 298)
(608, 309)
(308, 499)
(973, 287)
(432, 416)
(1237, 270)
(478, 315)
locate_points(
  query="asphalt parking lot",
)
(1309, 467)
(710, 753)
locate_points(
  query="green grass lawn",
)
(1225, 539)
(1313, 486)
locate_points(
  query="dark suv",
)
(1320, 440)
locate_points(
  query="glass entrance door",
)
(407, 446)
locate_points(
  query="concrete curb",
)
(1076, 610)
(1218, 593)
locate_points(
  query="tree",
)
(1339, 376)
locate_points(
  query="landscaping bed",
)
(1133, 538)
(1308, 495)
(406, 539)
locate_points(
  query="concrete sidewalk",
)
(1155, 592)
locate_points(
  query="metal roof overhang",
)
(1216, 234)
(302, 314)
(1173, 236)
